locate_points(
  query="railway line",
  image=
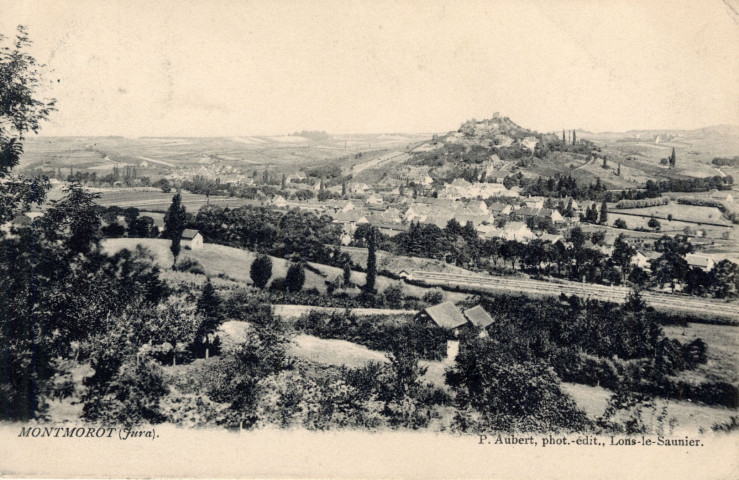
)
(666, 302)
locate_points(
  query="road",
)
(665, 302)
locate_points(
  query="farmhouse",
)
(700, 261)
(192, 238)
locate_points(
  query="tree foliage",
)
(261, 270)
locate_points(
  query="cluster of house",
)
(394, 218)
(392, 215)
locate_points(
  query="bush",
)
(130, 398)
(433, 297)
(190, 265)
(278, 285)
(620, 223)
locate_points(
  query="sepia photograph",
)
(369, 239)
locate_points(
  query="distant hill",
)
(498, 150)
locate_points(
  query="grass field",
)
(689, 213)
(723, 351)
(234, 263)
(682, 417)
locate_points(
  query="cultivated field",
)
(150, 199)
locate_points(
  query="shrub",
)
(278, 285)
(190, 265)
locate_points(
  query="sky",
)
(232, 68)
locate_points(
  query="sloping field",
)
(382, 282)
(396, 263)
(700, 307)
(215, 259)
(686, 417)
(342, 353)
(723, 351)
(686, 213)
(334, 352)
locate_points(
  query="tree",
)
(603, 213)
(210, 311)
(670, 267)
(639, 277)
(347, 274)
(508, 392)
(21, 111)
(724, 279)
(620, 223)
(653, 223)
(569, 211)
(75, 217)
(174, 225)
(295, 277)
(577, 238)
(261, 270)
(672, 158)
(371, 260)
(622, 254)
(283, 185)
(574, 137)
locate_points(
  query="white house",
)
(278, 201)
(517, 231)
(701, 261)
(192, 238)
(640, 260)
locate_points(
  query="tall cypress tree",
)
(603, 213)
(174, 225)
(574, 136)
(371, 260)
(672, 157)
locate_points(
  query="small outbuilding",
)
(192, 238)
(478, 317)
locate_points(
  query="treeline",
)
(643, 203)
(726, 161)
(580, 257)
(558, 186)
(294, 233)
